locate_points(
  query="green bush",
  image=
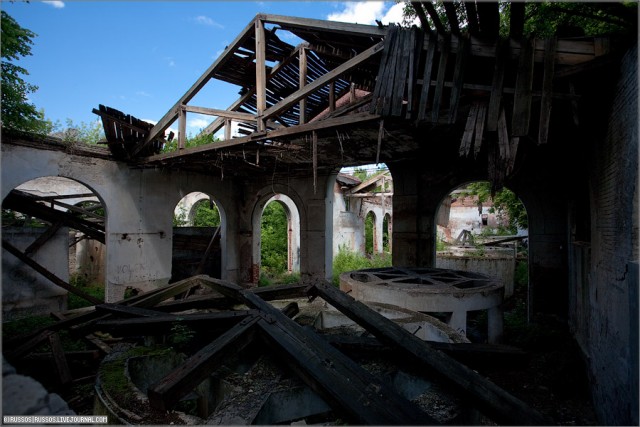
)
(348, 260)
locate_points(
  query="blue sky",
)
(141, 57)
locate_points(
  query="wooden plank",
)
(503, 137)
(60, 360)
(182, 128)
(514, 141)
(480, 123)
(467, 136)
(458, 77)
(426, 79)
(400, 79)
(385, 71)
(495, 101)
(332, 96)
(323, 81)
(442, 69)
(415, 46)
(523, 96)
(547, 90)
(489, 19)
(501, 406)
(164, 394)
(47, 274)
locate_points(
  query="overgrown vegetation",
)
(508, 208)
(274, 240)
(348, 260)
(81, 283)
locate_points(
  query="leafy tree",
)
(17, 112)
(274, 242)
(190, 141)
(89, 133)
(506, 205)
(206, 215)
(546, 18)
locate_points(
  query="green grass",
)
(93, 289)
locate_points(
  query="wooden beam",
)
(322, 25)
(472, 17)
(261, 73)
(495, 101)
(424, 23)
(182, 128)
(516, 19)
(60, 360)
(47, 274)
(489, 18)
(302, 82)
(442, 68)
(172, 114)
(490, 399)
(458, 77)
(43, 238)
(426, 79)
(164, 394)
(435, 18)
(452, 16)
(323, 81)
(234, 115)
(342, 382)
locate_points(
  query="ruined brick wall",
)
(609, 332)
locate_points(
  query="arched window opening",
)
(197, 237)
(278, 250)
(489, 235)
(386, 236)
(370, 233)
(52, 226)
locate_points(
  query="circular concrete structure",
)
(431, 290)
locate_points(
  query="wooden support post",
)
(491, 399)
(302, 82)
(261, 74)
(182, 127)
(46, 273)
(314, 155)
(227, 129)
(480, 123)
(167, 392)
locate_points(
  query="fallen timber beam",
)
(47, 274)
(147, 299)
(160, 325)
(474, 355)
(178, 383)
(343, 383)
(489, 398)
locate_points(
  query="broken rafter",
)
(491, 399)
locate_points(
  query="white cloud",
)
(198, 123)
(143, 93)
(56, 3)
(366, 12)
(359, 12)
(205, 20)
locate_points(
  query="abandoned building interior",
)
(555, 120)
